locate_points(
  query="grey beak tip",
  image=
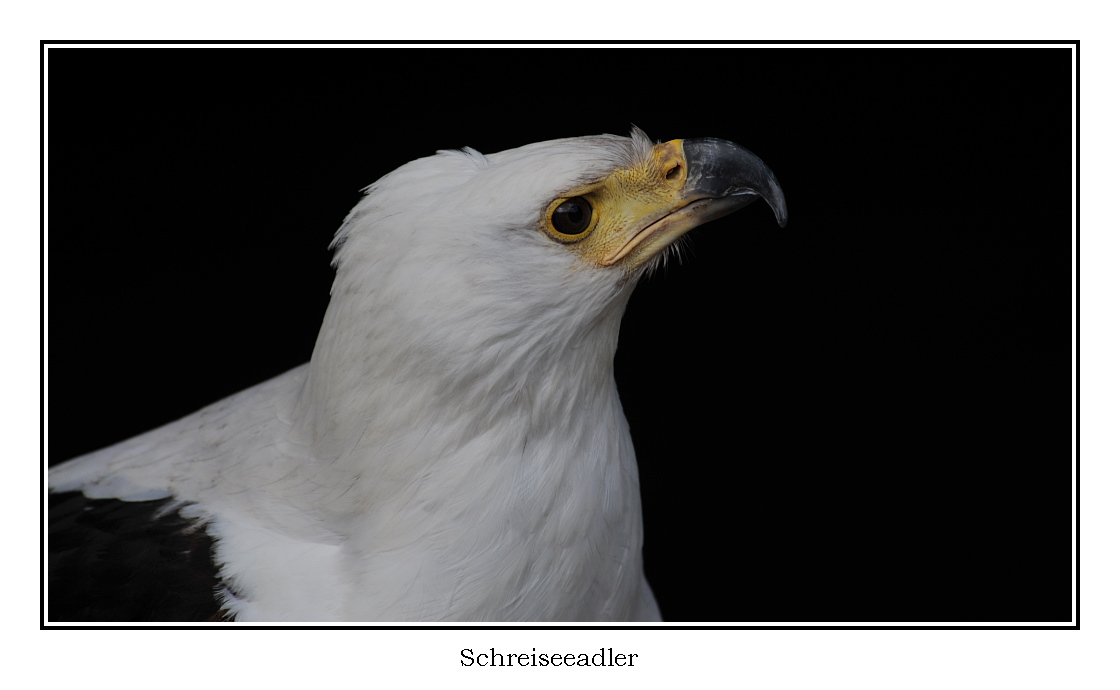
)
(717, 166)
(780, 212)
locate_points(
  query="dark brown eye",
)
(572, 216)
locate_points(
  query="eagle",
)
(456, 449)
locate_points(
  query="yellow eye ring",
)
(571, 219)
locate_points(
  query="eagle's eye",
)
(572, 216)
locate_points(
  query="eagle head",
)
(552, 232)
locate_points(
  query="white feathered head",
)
(545, 231)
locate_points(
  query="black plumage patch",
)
(138, 561)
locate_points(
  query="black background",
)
(864, 416)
